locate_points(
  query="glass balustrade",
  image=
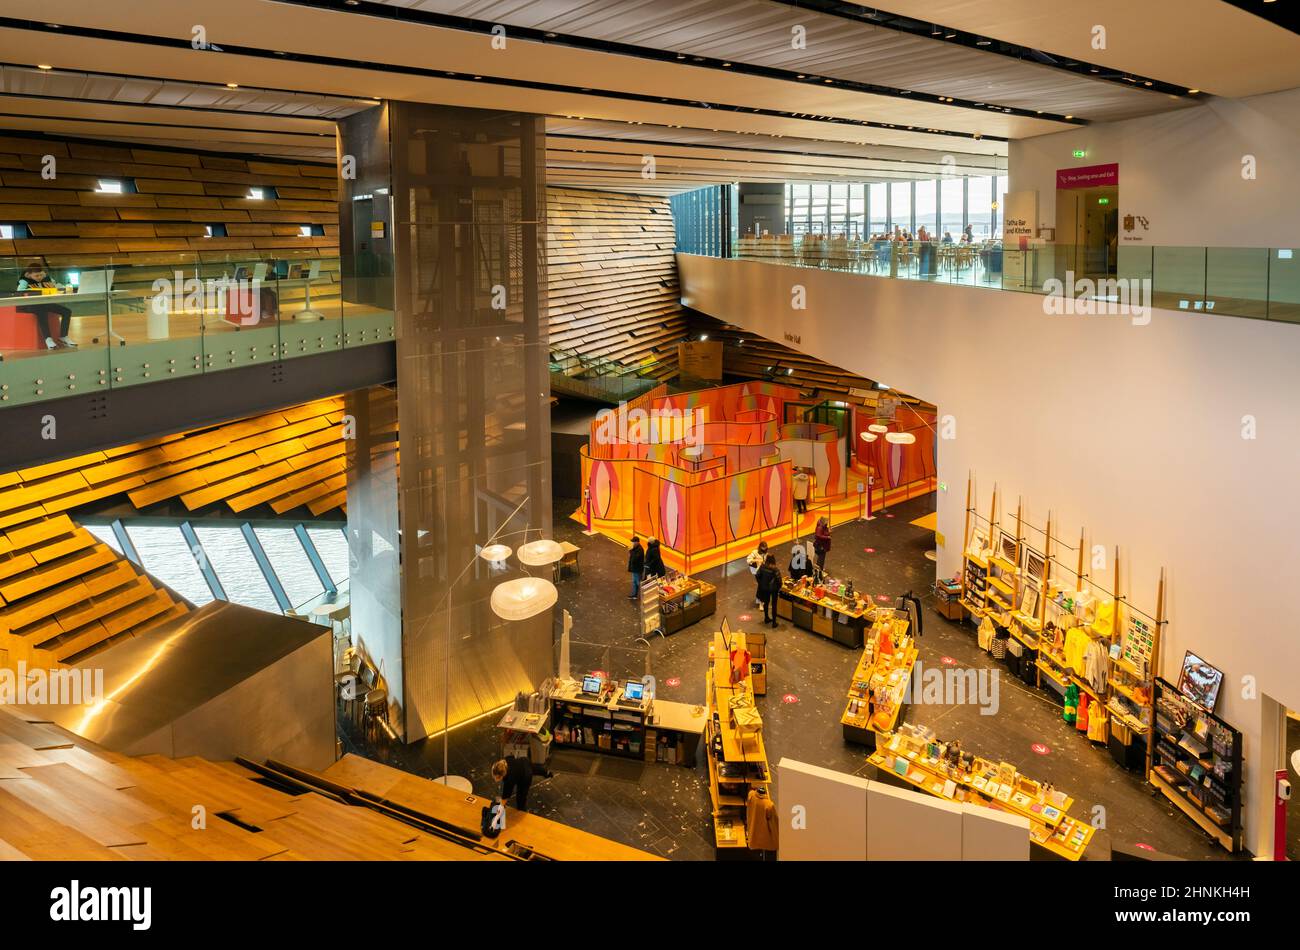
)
(94, 325)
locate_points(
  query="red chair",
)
(18, 330)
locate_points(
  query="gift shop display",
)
(878, 692)
(739, 779)
(914, 757)
(829, 607)
(680, 600)
(1197, 764)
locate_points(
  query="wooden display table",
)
(830, 616)
(658, 731)
(878, 691)
(736, 754)
(684, 601)
(1052, 832)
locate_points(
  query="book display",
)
(878, 692)
(676, 601)
(1197, 764)
(914, 757)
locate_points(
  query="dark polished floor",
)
(665, 809)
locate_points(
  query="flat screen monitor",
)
(1200, 682)
(591, 684)
(633, 690)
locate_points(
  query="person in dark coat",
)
(654, 561)
(516, 776)
(635, 566)
(769, 586)
(822, 542)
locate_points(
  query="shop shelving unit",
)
(736, 753)
(891, 673)
(1197, 764)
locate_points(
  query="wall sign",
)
(1088, 176)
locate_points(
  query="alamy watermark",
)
(240, 298)
(1109, 296)
(42, 687)
(669, 426)
(954, 686)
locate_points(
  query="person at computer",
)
(33, 280)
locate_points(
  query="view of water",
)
(167, 557)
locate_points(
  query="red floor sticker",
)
(746, 616)
(947, 661)
(1040, 749)
(673, 681)
(1144, 846)
(883, 598)
(789, 698)
(870, 550)
(888, 515)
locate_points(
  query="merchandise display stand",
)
(1197, 764)
(736, 753)
(914, 758)
(651, 616)
(682, 601)
(836, 614)
(878, 691)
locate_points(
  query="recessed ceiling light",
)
(949, 36)
(44, 66)
(1192, 92)
(232, 85)
(1147, 82)
(550, 36)
(1069, 117)
(983, 42)
(352, 3)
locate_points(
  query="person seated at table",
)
(947, 237)
(923, 235)
(968, 235)
(268, 301)
(33, 279)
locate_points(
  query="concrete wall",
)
(1182, 171)
(1133, 431)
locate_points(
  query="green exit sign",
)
(1080, 153)
(1103, 201)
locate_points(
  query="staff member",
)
(515, 775)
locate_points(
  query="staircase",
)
(604, 380)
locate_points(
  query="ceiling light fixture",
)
(44, 66)
(523, 598)
(232, 85)
(540, 553)
(1192, 92)
(496, 553)
(983, 42)
(900, 438)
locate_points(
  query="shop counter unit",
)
(525, 734)
(1053, 834)
(829, 617)
(947, 600)
(686, 603)
(736, 753)
(857, 727)
(663, 731)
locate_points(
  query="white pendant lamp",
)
(869, 437)
(900, 438)
(877, 428)
(523, 597)
(496, 553)
(541, 552)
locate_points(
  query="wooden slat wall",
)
(178, 193)
(752, 358)
(613, 276)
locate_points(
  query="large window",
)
(900, 205)
(818, 207)
(1000, 194)
(952, 196)
(927, 208)
(857, 223)
(980, 206)
(879, 207)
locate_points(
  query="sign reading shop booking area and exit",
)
(1088, 176)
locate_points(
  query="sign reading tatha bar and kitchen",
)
(1088, 176)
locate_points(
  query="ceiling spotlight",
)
(983, 42)
(1147, 82)
(1192, 92)
(44, 66)
(353, 3)
(232, 85)
(549, 36)
(949, 36)
(1069, 117)
(726, 64)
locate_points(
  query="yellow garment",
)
(1076, 646)
(761, 826)
(1104, 623)
(1097, 721)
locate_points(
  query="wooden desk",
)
(666, 732)
(568, 560)
(549, 838)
